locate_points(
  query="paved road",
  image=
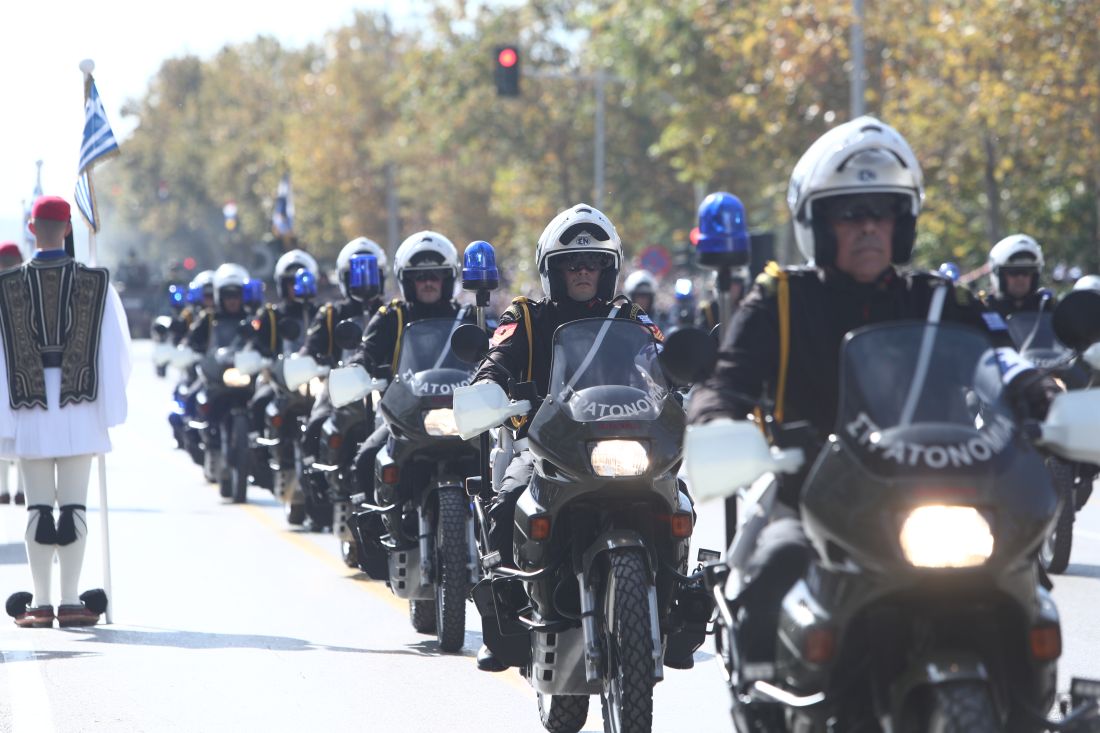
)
(225, 620)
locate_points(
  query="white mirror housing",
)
(299, 369)
(723, 455)
(1091, 355)
(348, 384)
(184, 357)
(479, 407)
(249, 362)
(163, 353)
(1072, 427)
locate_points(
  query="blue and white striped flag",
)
(99, 142)
(282, 218)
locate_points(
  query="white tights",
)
(4, 466)
(60, 481)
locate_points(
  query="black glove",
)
(1031, 395)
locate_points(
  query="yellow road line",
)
(377, 589)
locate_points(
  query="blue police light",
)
(479, 267)
(950, 270)
(305, 284)
(363, 275)
(684, 288)
(194, 295)
(723, 232)
(253, 292)
(178, 296)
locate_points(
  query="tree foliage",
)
(1000, 100)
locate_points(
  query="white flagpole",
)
(87, 66)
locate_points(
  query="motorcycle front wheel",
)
(1055, 551)
(627, 695)
(452, 574)
(239, 458)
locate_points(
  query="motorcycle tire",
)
(563, 713)
(452, 573)
(422, 616)
(627, 697)
(1055, 551)
(239, 455)
(959, 707)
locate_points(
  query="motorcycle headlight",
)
(234, 377)
(316, 387)
(440, 422)
(619, 458)
(938, 536)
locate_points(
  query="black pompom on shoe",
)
(17, 603)
(95, 600)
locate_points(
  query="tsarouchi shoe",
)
(36, 617)
(76, 615)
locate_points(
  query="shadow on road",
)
(45, 656)
(1082, 571)
(13, 553)
(200, 640)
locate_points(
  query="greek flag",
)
(99, 142)
(282, 218)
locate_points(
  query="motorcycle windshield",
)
(426, 363)
(607, 369)
(915, 394)
(1033, 334)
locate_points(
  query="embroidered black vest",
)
(51, 314)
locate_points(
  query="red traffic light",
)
(189, 263)
(507, 57)
(693, 236)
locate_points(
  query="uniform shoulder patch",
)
(382, 309)
(503, 333)
(646, 321)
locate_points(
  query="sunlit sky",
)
(41, 86)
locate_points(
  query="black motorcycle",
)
(1033, 334)
(222, 422)
(599, 601)
(418, 535)
(921, 608)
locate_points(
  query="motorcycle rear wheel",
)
(452, 574)
(959, 707)
(563, 713)
(422, 616)
(627, 696)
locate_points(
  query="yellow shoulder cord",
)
(271, 320)
(519, 422)
(331, 332)
(397, 341)
(784, 293)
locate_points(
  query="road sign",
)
(656, 259)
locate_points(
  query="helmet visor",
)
(863, 207)
(577, 261)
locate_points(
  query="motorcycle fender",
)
(615, 539)
(936, 667)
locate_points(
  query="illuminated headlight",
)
(234, 377)
(440, 422)
(940, 536)
(316, 387)
(619, 458)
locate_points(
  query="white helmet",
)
(202, 280)
(426, 250)
(1088, 282)
(863, 156)
(288, 264)
(229, 275)
(640, 282)
(359, 246)
(1015, 251)
(580, 228)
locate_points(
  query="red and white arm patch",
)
(503, 333)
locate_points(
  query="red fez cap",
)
(10, 249)
(53, 208)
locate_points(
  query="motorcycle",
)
(418, 535)
(921, 606)
(599, 601)
(1033, 334)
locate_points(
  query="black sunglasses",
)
(427, 275)
(590, 261)
(874, 208)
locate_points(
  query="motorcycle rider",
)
(426, 266)
(219, 326)
(1015, 264)
(321, 336)
(296, 275)
(641, 288)
(578, 259)
(709, 315)
(854, 196)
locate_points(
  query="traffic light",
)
(506, 59)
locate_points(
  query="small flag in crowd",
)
(282, 218)
(28, 235)
(99, 143)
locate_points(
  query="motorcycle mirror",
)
(689, 356)
(290, 328)
(469, 343)
(1076, 319)
(348, 334)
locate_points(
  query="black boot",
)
(487, 661)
